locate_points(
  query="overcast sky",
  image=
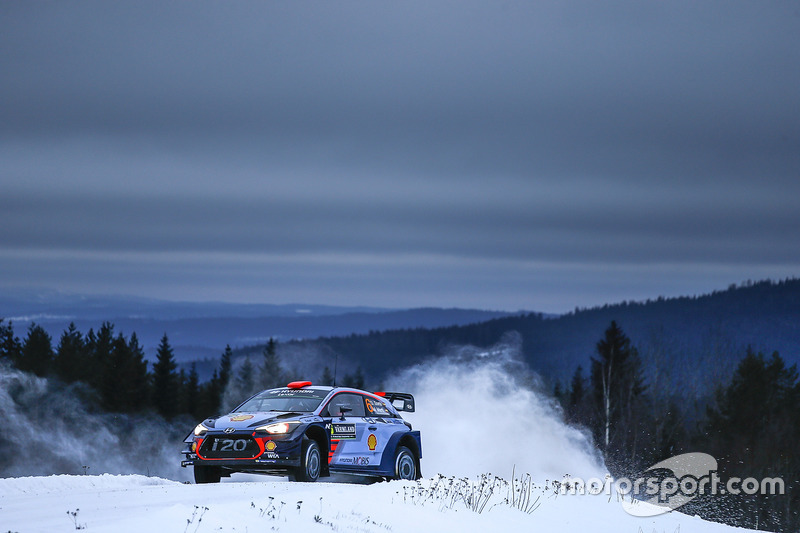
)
(499, 155)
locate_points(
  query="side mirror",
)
(344, 410)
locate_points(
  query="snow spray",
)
(479, 412)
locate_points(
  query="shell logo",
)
(241, 418)
(372, 442)
(270, 445)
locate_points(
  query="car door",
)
(348, 430)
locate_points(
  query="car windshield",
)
(284, 400)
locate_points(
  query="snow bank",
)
(39, 485)
(132, 504)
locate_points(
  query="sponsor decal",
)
(270, 445)
(355, 461)
(375, 407)
(372, 441)
(343, 431)
(292, 392)
(241, 418)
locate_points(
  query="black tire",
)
(310, 462)
(405, 464)
(207, 474)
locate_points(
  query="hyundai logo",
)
(230, 430)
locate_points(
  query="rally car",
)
(308, 432)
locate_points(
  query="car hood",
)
(241, 421)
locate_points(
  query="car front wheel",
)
(310, 462)
(405, 464)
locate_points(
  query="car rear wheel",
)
(310, 462)
(405, 464)
(207, 474)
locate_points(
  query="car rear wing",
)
(402, 401)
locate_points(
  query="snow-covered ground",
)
(475, 418)
(136, 503)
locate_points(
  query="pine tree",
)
(577, 408)
(165, 380)
(183, 402)
(355, 380)
(327, 376)
(753, 429)
(100, 348)
(125, 385)
(225, 362)
(209, 397)
(138, 376)
(72, 357)
(245, 379)
(559, 394)
(358, 379)
(272, 374)
(617, 387)
(241, 386)
(114, 380)
(10, 347)
(124, 379)
(90, 341)
(192, 393)
(212, 394)
(37, 351)
(577, 389)
(760, 391)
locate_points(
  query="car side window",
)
(345, 399)
(377, 408)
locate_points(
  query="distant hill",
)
(200, 331)
(29, 304)
(686, 341)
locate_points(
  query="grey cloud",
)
(156, 65)
(622, 133)
(469, 88)
(605, 232)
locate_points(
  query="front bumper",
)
(244, 452)
(245, 465)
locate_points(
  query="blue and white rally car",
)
(308, 432)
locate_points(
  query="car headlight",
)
(279, 428)
(200, 430)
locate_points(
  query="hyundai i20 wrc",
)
(308, 432)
